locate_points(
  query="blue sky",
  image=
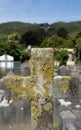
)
(40, 11)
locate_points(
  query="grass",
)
(56, 127)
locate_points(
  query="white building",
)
(6, 62)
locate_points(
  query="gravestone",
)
(70, 126)
(17, 113)
(66, 87)
(66, 117)
(25, 71)
(37, 87)
(77, 112)
(64, 71)
(73, 87)
(78, 124)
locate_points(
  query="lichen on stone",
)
(65, 83)
(37, 86)
(48, 106)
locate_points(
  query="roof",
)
(6, 57)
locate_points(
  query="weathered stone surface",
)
(64, 71)
(16, 116)
(42, 66)
(61, 86)
(19, 86)
(4, 88)
(70, 126)
(73, 87)
(37, 87)
(78, 124)
(42, 114)
(77, 113)
(25, 71)
(66, 117)
(66, 87)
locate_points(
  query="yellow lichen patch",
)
(46, 91)
(21, 87)
(64, 82)
(34, 103)
(48, 71)
(18, 85)
(67, 77)
(64, 85)
(36, 111)
(48, 106)
(10, 81)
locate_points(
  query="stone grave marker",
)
(70, 126)
(37, 88)
(66, 117)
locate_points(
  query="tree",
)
(18, 53)
(4, 48)
(51, 31)
(62, 32)
(62, 57)
(13, 47)
(68, 43)
(78, 48)
(53, 41)
(78, 35)
(14, 38)
(41, 35)
(34, 37)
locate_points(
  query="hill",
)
(72, 27)
(7, 28)
(10, 27)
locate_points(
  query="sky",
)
(40, 11)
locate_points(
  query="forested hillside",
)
(20, 27)
(6, 28)
(72, 27)
(16, 36)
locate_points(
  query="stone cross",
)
(37, 87)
